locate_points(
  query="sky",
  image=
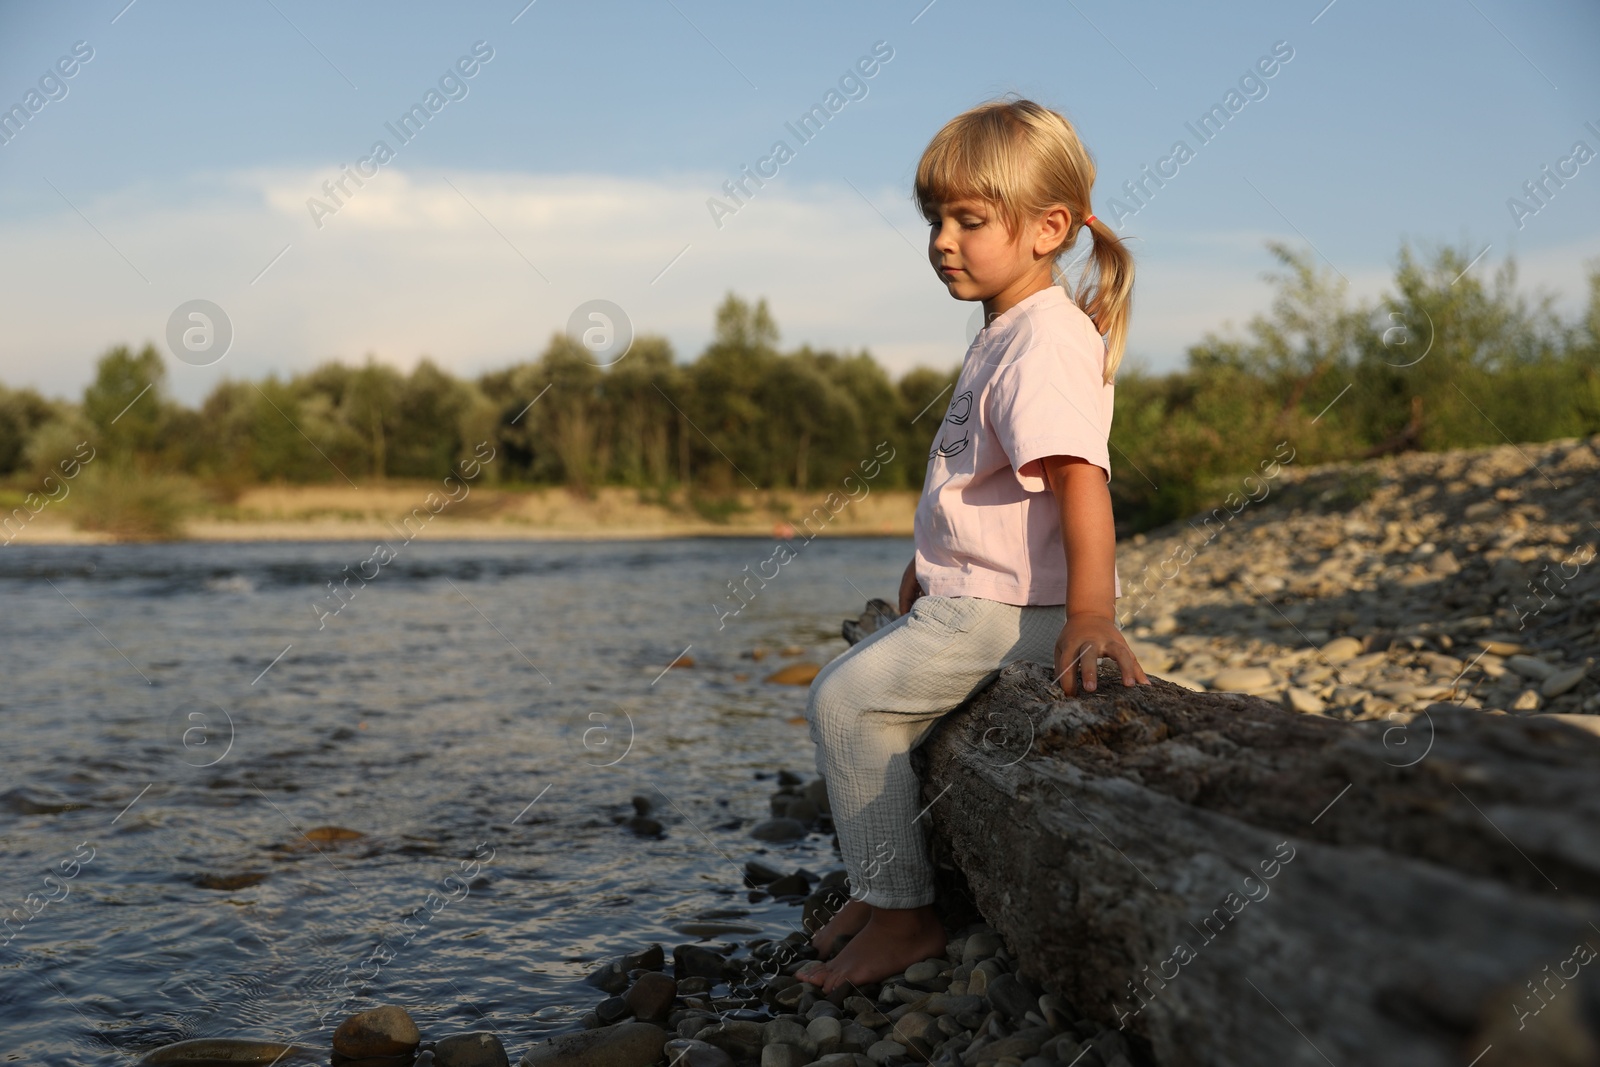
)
(192, 154)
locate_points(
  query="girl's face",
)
(978, 260)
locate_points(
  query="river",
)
(182, 722)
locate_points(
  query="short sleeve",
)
(1052, 400)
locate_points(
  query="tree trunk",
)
(1238, 884)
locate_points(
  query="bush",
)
(132, 507)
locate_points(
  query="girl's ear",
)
(1052, 230)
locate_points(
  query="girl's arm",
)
(1090, 542)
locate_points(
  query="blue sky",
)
(580, 160)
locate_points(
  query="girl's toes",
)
(814, 972)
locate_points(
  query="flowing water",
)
(182, 724)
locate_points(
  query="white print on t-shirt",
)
(960, 411)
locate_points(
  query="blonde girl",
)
(1015, 548)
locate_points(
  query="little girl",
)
(1015, 549)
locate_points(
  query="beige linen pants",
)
(870, 707)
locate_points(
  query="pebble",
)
(1531, 667)
(926, 971)
(1341, 649)
(1007, 993)
(825, 1033)
(779, 1055)
(880, 1051)
(1303, 701)
(1564, 681)
(980, 946)
(699, 962)
(1244, 680)
(737, 1038)
(470, 1050)
(385, 1031)
(794, 674)
(687, 1052)
(779, 830)
(651, 997)
(632, 1044)
(790, 885)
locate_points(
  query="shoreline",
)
(378, 513)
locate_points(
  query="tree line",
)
(1443, 359)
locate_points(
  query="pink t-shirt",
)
(1031, 386)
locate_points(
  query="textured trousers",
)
(871, 706)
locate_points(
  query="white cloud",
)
(410, 266)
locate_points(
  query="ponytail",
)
(1108, 298)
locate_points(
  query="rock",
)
(794, 674)
(632, 1044)
(924, 972)
(611, 1010)
(1531, 667)
(651, 997)
(784, 1056)
(212, 1050)
(1244, 680)
(385, 1031)
(699, 962)
(470, 1050)
(688, 1052)
(1342, 648)
(843, 1059)
(1564, 681)
(825, 1033)
(1527, 700)
(980, 946)
(788, 779)
(229, 882)
(817, 792)
(609, 977)
(801, 809)
(916, 1028)
(882, 1051)
(779, 830)
(758, 873)
(953, 1004)
(741, 1040)
(1007, 994)
(855, 1038)
(789, 997)
(1303, 701)
(651, 958)
(879, 613)
(1020, 1045)
(790, 885)
(788, 1032)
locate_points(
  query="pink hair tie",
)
(1088, 220)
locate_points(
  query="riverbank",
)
(405, 509)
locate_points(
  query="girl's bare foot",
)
(892, 940)
(848, 920)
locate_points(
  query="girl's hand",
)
(1084, 641)
(909, 589)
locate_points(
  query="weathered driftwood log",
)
(1238, 884)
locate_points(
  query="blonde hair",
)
(1024, 158)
